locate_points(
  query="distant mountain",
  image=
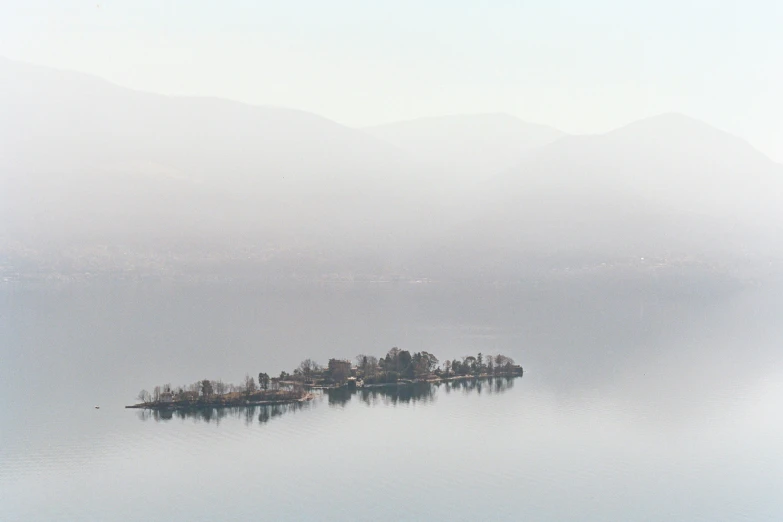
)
(98, 178)
(83, 159)
(666, 188)
(467, 148)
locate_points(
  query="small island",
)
(397, 368)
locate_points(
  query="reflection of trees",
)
(397, 394)
(503, 384)
(264, 413)
(425, 392)
(339, 396)
(489, 385)
(403, 393)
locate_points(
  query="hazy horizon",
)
(145, 184)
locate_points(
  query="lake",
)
(640, 401)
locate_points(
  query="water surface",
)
(636, 405)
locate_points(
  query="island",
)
(397, 368)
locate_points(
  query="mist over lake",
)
(653, 404)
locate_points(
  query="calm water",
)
(639, 402)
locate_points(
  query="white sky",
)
(581, 66)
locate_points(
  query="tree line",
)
(208, 390)
(396, 366)
(400, 364)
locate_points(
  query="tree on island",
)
(250, 385)
(207, 389)
(367, 365)
(504, 364)
(392, 360)
(308, 367)
(220, 387)
(423, 364)
(400, 362)
(339, 370)
(144, 396)
(263, 381)
(469, 364)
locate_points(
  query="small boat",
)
(97, 407)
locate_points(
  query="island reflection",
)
(418, 392)
(421, 392)
(249, 414)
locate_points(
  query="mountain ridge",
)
(90, 165)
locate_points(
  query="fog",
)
(100, 179)
(148, 238)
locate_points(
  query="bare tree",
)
(308, 367)
(220, 387)
(361, 362)
(371, 366)
(367, 364)
(250, 384)
(156, 393)
(144, 396)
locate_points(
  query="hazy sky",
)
(582, 66)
